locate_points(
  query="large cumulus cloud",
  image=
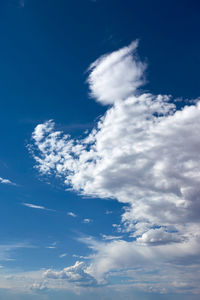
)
(143, 152)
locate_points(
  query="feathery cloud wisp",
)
(30, 205)
(70, 213)
(86, 220)
(6, 181)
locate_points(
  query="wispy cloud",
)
(81, 256)
(30, 205)
(63, 255)
(7, 251)
(86, 220)
(52, 246)
(108, 212)
(70, 213)
(111, 237)
(21, 3)
(6, 181)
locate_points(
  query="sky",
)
(99, 156)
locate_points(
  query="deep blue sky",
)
(46, 48)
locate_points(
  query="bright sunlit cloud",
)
(144, 152)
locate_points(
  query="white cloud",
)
(72, 214)
(51, 247)
(158, 236)
(87, 220)
(116, 76)
(108, 212)
(7, 251)
(139, 264)
(144, 153)
(81, 256)
(76, 274)
(111, 237)
(6, 181)
(36, 206)
(63, 255)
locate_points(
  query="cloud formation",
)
(63, 255)
(144, 152)
(116, 76)
(86, 220)
(6, 181)
(70, 213)
(76, 274)
(7, 250)
(30, 205)
(111, 237)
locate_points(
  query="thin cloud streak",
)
(87, 221)
(6, 181)
(70, 213)
(30, 205)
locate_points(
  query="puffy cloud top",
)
(116, 76)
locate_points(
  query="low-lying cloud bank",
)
(143, 152)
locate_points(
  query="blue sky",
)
(99, 157)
